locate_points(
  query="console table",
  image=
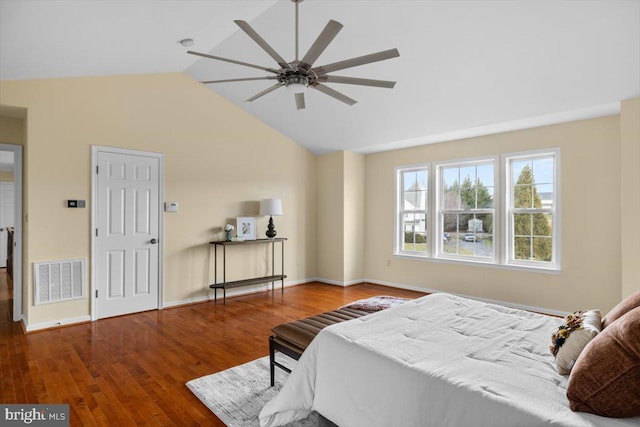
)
(224, 285)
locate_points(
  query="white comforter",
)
(439, 361)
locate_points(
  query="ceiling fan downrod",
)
(297, 27)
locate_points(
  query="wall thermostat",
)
(171, 206)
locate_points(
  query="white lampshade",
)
(272, 207)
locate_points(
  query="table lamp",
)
(271, 207)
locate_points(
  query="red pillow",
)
(606, 377)
(627, 304)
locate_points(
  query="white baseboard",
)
(187, 301)
(487, 300)
(339, 283)
(55, 323)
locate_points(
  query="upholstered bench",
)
(292, 338)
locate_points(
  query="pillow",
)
(605, 378)
(627, 304)
(578, 329)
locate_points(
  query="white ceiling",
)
(465, 67)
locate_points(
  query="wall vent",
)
(58, 280)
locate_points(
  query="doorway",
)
(11, 222)
(127, 224)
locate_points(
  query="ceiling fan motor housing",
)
(296, 76)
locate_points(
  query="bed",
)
(440, 360)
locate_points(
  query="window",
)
(466, 210)
(482, 212)
(532, 206)
(412, 210)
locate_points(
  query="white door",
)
(6, 218)
(126, 242)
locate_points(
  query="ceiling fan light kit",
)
(300, 74)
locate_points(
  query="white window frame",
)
(399, 211)
(440, 211)
(555, 210)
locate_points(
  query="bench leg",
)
(272, 361)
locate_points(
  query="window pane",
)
(545, 194)
(485, 199)
(541, 224)
(543, 170)
(484, 196)
(421, 179)
(468, 173)
(522, 248)
(414, 222)
(485, 175)
(451, 197)
(484, 223)
(468, 234)
(522, 197)
(414, 241)
(450, 223)
(542, 249)
(409, 179)
(450, 188)
(517, 166)
(468, 193)
(450, 176)
(522, 224)
(415, 190)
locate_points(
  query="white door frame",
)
(95, 149)
(17, 235)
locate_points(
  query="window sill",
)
(485, 264)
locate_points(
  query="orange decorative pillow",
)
(627, 304)
(605, 379)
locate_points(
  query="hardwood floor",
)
(132, 370)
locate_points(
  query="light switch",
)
(171, 206)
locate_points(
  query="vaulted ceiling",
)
(465, 67)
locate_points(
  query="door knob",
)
(154, 241)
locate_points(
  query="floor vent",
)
(58, 280)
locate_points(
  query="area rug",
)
(237, 395)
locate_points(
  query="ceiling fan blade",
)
(300, 101)
(240, 80)
(354, 62)
(335, 94)
(264, 92)
(262, 43)
(357, 81)
(233, 61)
(330, 31)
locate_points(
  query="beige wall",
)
(341, 217)
(590, 176)
(330, 217)
(630, 166)
(354, 217)
(219, 161)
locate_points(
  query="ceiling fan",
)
(300, 73)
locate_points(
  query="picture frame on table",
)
(246, 227)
